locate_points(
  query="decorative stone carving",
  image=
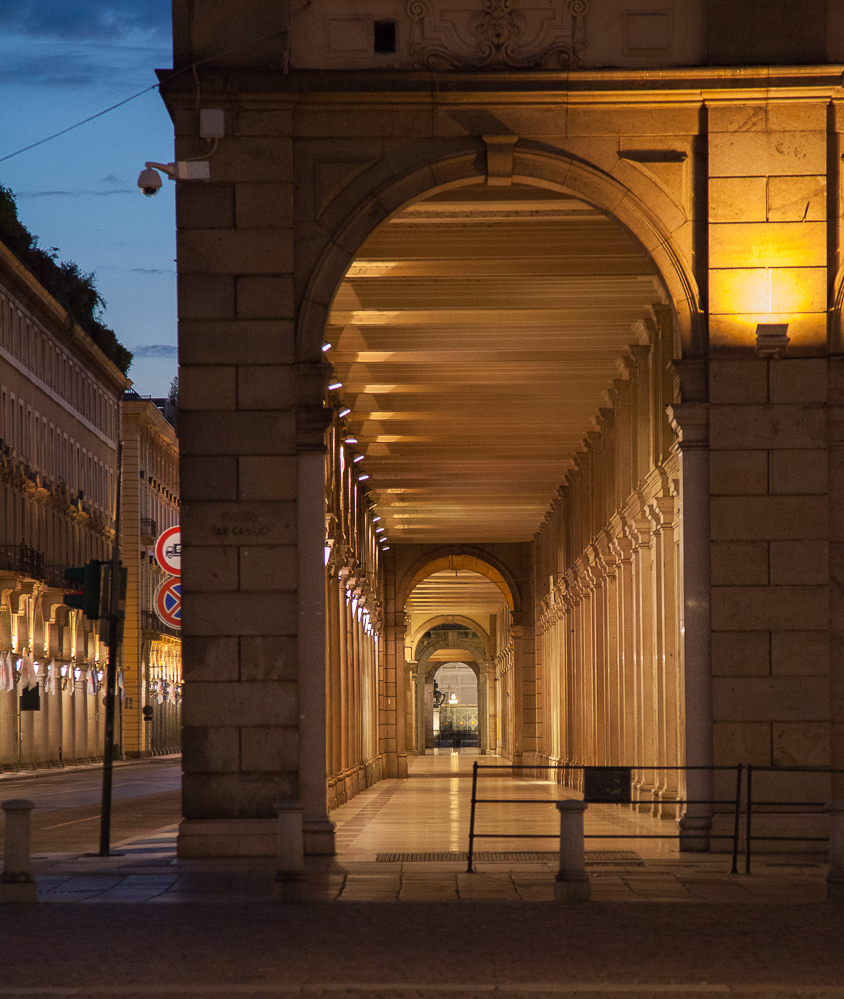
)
(497, 34)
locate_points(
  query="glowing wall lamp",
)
(772, 340)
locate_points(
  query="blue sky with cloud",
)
(60, 62)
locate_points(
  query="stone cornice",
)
(684, 85)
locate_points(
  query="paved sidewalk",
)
(401, 841)
(75, 768)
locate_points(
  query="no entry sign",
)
(168, 602)
(168, 551)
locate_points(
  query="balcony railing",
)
(23, 559)
(149, 528)
(150, 621)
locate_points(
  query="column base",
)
(694, 833)
(575, 888)
(318, 835)
(227, 838)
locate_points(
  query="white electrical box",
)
(212, 123)
(192, 170)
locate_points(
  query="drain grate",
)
(592, 857)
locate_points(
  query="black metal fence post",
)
(734, 868)
(747, 833)
(469, 869)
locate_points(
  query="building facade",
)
(151, 649)
(59, 424)
(578, 265)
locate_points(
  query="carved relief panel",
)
(478, 34)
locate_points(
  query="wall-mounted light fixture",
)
(772, 340)
(333, 386)
(344, 412)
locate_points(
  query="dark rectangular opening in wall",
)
(385, 36)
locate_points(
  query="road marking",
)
(71, 823)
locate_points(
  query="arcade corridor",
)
(428, 814)
(502, 491)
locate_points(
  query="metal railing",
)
(23, 559)
(149, 528)
(774, 808)
(734, 802)
(150, 621)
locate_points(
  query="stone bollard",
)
(572, 881)
(16, 882)
(835, 878)
(291, 851)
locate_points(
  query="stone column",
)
(80, 720)
(41, 722)
(646, 677)
(318, 831)
(68, 719)
(54, 722)
(483, 710)
(421, 733)
(690, 421)
(343, 692)
(835, 458)
(27, 735)
(335, 609)
(9, 753)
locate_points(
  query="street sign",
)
(168, 602)
(168, 551)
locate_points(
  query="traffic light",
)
(86, 599)
(105, 601)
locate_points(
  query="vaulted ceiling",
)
(475, 335)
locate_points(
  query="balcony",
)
(22, 559)
(149, 528)
(150, 621)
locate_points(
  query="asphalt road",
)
(380, 951)
(66, 818)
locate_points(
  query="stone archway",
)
(467, 648)
(627, 194)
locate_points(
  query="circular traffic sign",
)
(168, 602)
(168, 550)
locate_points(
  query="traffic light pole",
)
(111, 669)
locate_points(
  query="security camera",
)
(149, 182)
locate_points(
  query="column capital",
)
(690, 421)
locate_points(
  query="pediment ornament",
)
(497, 34)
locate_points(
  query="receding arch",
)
(462, 557)
(363, 206)
(470, 624)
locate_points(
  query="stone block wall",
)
(770, 562)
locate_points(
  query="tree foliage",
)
(72, 288)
